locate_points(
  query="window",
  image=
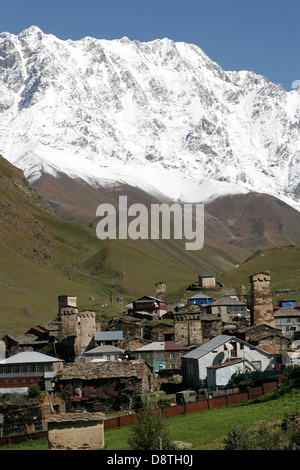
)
(172, 355)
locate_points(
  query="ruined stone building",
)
(261, 300)
(104, 386)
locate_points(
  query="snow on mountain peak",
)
(160, 115)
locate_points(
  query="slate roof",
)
(287, 312)
(228, 301)
(72, 417)
(23, 339)
(99, 370)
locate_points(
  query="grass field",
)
(206, 429)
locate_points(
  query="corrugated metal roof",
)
(199, 296)
(109, 335)
(155, 346)
(104, 349)
(160, 346)
(208, 346)
(27, 357)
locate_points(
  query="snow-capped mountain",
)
(160, 115)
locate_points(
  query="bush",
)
(34, 390)
(149, 427)
(287, 436)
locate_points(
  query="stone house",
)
(192, 328)
(104, 386)
(157, 332)
(37, 339)
(113, 338)
(287, 319)
(101, 354)
(264, 337)
(231, 309)
(206, 281)
(75, 431)
(219, 350)
(131, 327)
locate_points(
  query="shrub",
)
(149, 427)
(34, 390)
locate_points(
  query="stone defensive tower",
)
(66, 301)
(87, 331)
(161, 291)
(69, 330)
(188, 329)
(261, 300)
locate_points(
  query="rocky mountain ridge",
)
(160, 116)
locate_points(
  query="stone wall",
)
(75, 431)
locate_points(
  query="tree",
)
(145, 433)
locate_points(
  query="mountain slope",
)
(43, 256)
(251, 221)
(283, 265)
(160, 116)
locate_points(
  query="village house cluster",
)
(201, 341)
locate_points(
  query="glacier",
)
(158, 115)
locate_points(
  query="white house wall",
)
(195, 370)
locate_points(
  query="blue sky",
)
(262, 36)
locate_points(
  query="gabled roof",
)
(103, 350)
(214, 343)
(109, 335)
(208, 346)
(148, 297)
(287, 312)
(27, 357)
(228, 301)
(99, 370)
(161, 346)
(200, 296)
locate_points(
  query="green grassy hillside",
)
(43, 256)
(283, 264)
